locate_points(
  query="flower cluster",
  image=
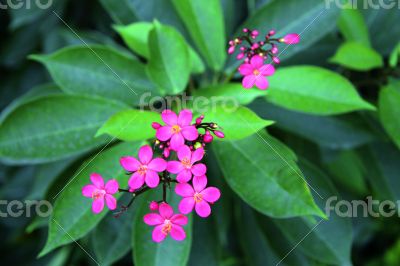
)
(181, 147)
(255, 53)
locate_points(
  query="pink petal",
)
(165, 210)
(177, 233)
(211, 194)
(262, 83)
(203, 209)
(88, 190)
(184, 190)
(97, 180)
(129, 163)
(152, 179)
(257, 61)
(145, 154)
(185, 118)
(177, 141)
(158, 234)
(186, 205)
(153, 219)
(112, 186)
(246, 69)
(184, 153)
(267, 70)
(199, 183)
(136, 181)
(179, 219)
(169, 117)
(98, 205)
(111, 202)
(158, 165)
(184, 176)
(249, 81)
(197, 155)
(199, 169)
(164, 133)
(292, 38)
(190, 133)
(174, 167)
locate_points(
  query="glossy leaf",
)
(121, 11)
(389, 110)
(394, 56)
(204, 21)
(72, 217)
(169, 63)
(131, 125)
(54, 127)
(353, 27)
(314, 90)
(273, 183)
(356, 56)
(98, 70)
(167, 253)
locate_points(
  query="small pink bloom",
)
(255, 73)
(208, 138)
(219, 134)
(166, 223)
(240, 56)
(276, 60)
(231, 50)
(245, 30)
(271, 32)
(177, 128)
(292, 38)
(187, 164)
(255, 33)
(274, 49)
(155, 125)
(197, 196)
(145, 169)
(100, 192)
(153, 206)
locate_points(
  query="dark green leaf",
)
(121, 11)
(265, 176)
(389, 110)
(54, 127)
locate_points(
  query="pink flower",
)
(98, 192)
(291, 38)
(186, 167)
(145, 170)
(255, 73)
(166, 223)
(177, 129)
(231, 50)
(197, 196)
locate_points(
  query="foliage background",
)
(344, 145)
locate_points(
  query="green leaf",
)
(98, 70)
(339, 132)
(54, 127)
(314, 90)
(352, 25)
(244, 124)
(111, 239)
(394, 56)
(136, 38)
(167, 253)
(327, 241)
(310, 18)
(231, 91)
(389, 110)
(72, 217)
(356, 56)
(169, 63)
(122, 11)
(265, 175)
(204, 21)
(131, 125)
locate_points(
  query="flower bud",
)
(208, 138)
(153, 206)
(231, 50)
(155, 125)
(166, 152)
(274, 49)
(240, 56)
(276, 60)
(271, 32)
(245, 30)
(292, 38)
(219, 134)
(255, 33)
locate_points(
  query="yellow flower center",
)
(197, 197)
(166, 227)
(256, 72)
(142, 169)
(186, 163)
(98, 194)
(176, 129)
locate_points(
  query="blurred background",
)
(354, 148)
